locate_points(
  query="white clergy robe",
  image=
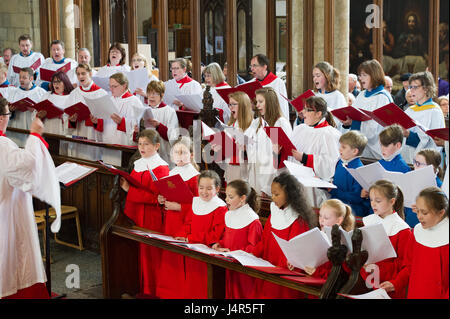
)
(18, 61)
(185, 86)
(52, 65)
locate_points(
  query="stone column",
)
(297, 47)
(88, 32)
(342, 41)
(319, 31)
(259, 27)
(68, 27)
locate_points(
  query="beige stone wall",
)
(297, 47)
(16, 18)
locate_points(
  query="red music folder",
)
(441, 133)
(299, 102)
(174, 189)
(249, 88)
(52, 110)
(46, 74)
(34, 66)
(277, 136)
(23, 104)
(353, 113)
(391, 114)
(81, 109)
(130, 179)
(228, 147)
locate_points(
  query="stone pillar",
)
(68, 27)
(342, 41)
(259, 27)
(319, 31)
(297, 47)
(88, 32)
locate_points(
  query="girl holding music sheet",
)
(332, 212)
(317, 143)
(204, 224)
(326, 80)
(139, 61)
(427, 259)
(142, 204)
(160, 117)
(215, 79)
(90, 128)
(241, 120)
(260, 155)
(387, 203)
(425, 112)
(243, 231)
(117, 57)
(430, 157)
(170, 278)
(373, 96)
(290, 215)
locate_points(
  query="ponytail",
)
(399, 200)
(243, 188)
(348, 223)
(330, 119)
(252, 200)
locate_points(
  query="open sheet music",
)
(70, 173)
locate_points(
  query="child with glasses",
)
(425, 112)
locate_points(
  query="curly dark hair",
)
(296, 198)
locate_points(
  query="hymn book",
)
(174, 189)
(47, 106)
(46, 74)
(69, 173)
(248, 88)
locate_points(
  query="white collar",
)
(88, 88)
(345, 163)
(201, 208)
(281, 218)
(153, 162)
(390, 158)
(186, 172)
(393, 223)
(434, 237)
(241, 217)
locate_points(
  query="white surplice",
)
(19, 61)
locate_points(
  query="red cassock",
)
(399, 234)
(37, 291)
(205, 224)
(428, 262)
(286, 225)
(243, 231)
(171, 280)
(143, 208)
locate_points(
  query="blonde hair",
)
(331, 74)
(156, 86)
(273, 109)
(120, 78)
(216, 73)
(245, 113)
(146, 64)
(3, 68)
(341, 210)
(354, 139)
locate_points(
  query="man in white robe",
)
(26, 58)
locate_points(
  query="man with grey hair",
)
(389, 84)
(7, 55)
(352, 84)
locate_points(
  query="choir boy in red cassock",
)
(427, 261)
(387, 204)
(205, 224)
(242, 232)
(170, 278)
(142, 204)
(290, 215)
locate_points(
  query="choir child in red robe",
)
(142, 204)
(290, 215)
(332, 212)
(427, 260)
(243, 231)
(387, 204)
(205, 224)
(170, 279)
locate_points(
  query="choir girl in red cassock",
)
(243, 231)
(170, 279)
(142, 204)
(205, 224)
(427, 260)
(290, 215)
(332, 212)
(387, 204)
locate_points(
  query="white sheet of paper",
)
(207, 131)
(203, 249)
(102, 82)
(68, 172)
(137, 79)
(346, 237)
(376, 294)
(412, 183)
(102, 108)
(308, 249)
(164, 237)
(247, 259)
(223, 125)
(377, 243)
(445, 186)
(148, 114)
(367, 175)
(171, 91)
(193, 102)
(306, 176)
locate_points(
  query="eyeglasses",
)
(414, 87)
(419, 164)
(6, 114)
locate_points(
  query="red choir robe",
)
(171, 279)
(243, 231)
(399, 234)
(427, 262)
(143, 208)
(285, 224)
(205, 224)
